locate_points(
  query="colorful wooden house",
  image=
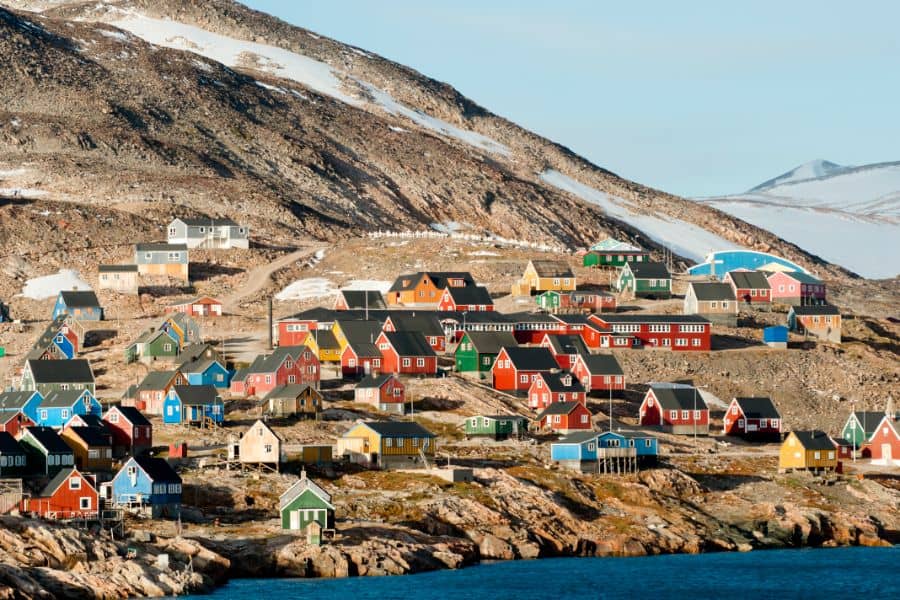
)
(516, 368)
(287, 365)
(58, 406)
(544, 275)
(860, 426)
(193, 405)
(293, 400)
(670, 332)
(206, 371)
(498, 427)
(183, 329)
(820, 321)
(796, 288)
(123, 279)
(564, 348)
(359, 300)
(151, 392)
(384, 391)
(752, 418)
(305, 503)
(425, 288)
(580, 301)
(324, 345)
(12, 422)
(576, 451)
(389, 444)
(208, 232)
(591, 333)
(25, 403)
(148, 485)
(776, 336)
(46, 376)
(674, 408)
(426, 324)
(807, 451)
(163, 260)
(92, 447)
(473, 298)
(199, 306)
(564, 418)
(70, 494)
(598, 372)
(884, 445)
(60, 340)
(13, 458)
(477, 350)
(606, 452)
(645, 280)
(713, 301)
(260, 445)
(548, 388)
(614, 253)
(153, 344)
(132, 432)
(47, 452)
(81, 305)
(406, 352)
(751, 288)
(530, 328)
(646, 447)
(359, 354)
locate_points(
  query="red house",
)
(590, 301)
(564, 348)
(598, 372)
(473, 298)
(202, 306)
(798, 289)
(675, 409)
(406, 352)
(753, 418)
(530, 328)
(426, 324)
(286, 365)
(69, 495)
(548, 388)
(750, 287)
(884, 445)
(292, 331)
(672, 332)
(565, 417)
(132, 432)
(590, 332)
(385, 392)
(13, 422)
(516, 368)
(360, 358)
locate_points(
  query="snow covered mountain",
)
(847, 215)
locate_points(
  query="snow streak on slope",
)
(681, 237)
(810, 170)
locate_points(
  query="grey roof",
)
(156, 380)
(751, 280)
(552, 268)
(820, 309)
(15, 400)
(706, 292)
(300, 486)
(559, 408)
(92, 436)
(61, 398)
(472, 294)
(868, 420)
(9, 445)
(92, 420)
(198, 366)
(160, 247)
(158, 469)
(269, 363)
(814, 440)
(649, 270)
(195, 395)
(59, 479)
(117, 268)
(361, 336)
(531, 359)
(409, 343)
(679, 398)
(373, 381)
(203, 221)
(578, 437)
(602, 364)
(80, 299)
(76, 370)
(438, 277)
(567, 344)
(426, 323)
(490, 342)
(641, 318)
(398, 429)
(325, 339)
(49, 439)
(758, 408)
(556, 383)
(133, 415)
(362, 299)
(290, 390)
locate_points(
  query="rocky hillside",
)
(230, 111)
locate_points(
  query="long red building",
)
(672, 332)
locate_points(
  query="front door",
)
(295, 519)
(886, 454)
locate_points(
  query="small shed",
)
(305, 503)
(776, 336)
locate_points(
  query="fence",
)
(472, 237)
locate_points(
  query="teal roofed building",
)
(721, 262)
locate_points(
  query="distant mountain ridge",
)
(811, 170)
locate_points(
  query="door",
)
(886, 454)
(295, 519)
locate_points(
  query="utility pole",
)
(610, 403)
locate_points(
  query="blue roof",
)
(728, 260)
(776, 333)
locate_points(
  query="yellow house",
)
(388, 444)
(325, 345)
(807, 450)
(544, 275)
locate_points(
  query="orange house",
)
(425, 288)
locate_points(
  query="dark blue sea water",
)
(782, 574)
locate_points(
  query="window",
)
(268, 448)
(831, 454)
(773, 423)
(648, 443)
(781, 288)
(523, 378)
(673, 415)
(64, 413)
(383, 346)
(590, 447)
(268, 379)
(584, 418)
(734, 410)
(406, 362)
(714, 304)
(697, 415)
(817, 455)
(752, 293)
(415, 442)
(93, 453)
(420, 362)
(388, 442)
(75, 483)
(556, 282)
(685, 414)
(762, 423)
(84, 503)
(681, 342)
(695, 342)
(667, 342)
(557, 419)
(724, 304)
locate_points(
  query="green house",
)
(645, 279)
(478, 349)
(498, 427)
(860, 426)
(548, 300)
(613, 253)
(305, 503)
(151, 345)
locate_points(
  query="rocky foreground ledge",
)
(502, 516)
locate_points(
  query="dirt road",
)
(259, 277)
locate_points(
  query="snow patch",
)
(450, 226)
(49, 286)
(686, 239)
(307, 289)
(22, 192)
(397, 129)
(483, 253)
(13, 172)
(368, 284)
(115, 35)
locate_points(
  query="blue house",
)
(577, 451)
(206, 371)
(149, 485)
(25, 402)
(606, 452)
(193, 404)
(61, 405)
(719, 263)
(646, 446)
(83, 306)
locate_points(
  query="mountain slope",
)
(848, 215)
(153, 107)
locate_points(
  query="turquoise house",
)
(150, 484)
(59, 406)
(206, 371)
(83, 306)
(193, 405)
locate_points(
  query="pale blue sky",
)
(695, 98)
